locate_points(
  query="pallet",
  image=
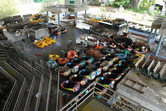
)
(135, 84)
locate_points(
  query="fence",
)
(30, 78)
(22, 82)
(111, 97)
(12, 92)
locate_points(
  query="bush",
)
(102, 8)
(156, 11)
(8, 8)
(95, 3)
(145, 4)
(117, 3)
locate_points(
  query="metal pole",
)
(159, 45)
(85, 15)
(58, 19)
(150, 35)
(155, 32)
(47, 16)
(75, 17)
(65, 15)
(57, 96)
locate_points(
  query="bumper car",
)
(65, 71)
(70, 86)
(138, 57)
(100, 90)
(89, 60)
(99, 46)
(71, 54)
(95, 67)
(39, 43)
(45, 41)
(79, 61)
(123, 43)
(111, 62)
(53, 57)
(79, 79)
(48, 40)
(62, 61)
(105, 82)
(106, 51)
(74, 68)
(117, 71)
(140, 47)
(52, 64)
(60, 30)
(90, 75)
(36, 18)
(57, 30)
(98, 71)
(109, 56)
(94, 53)
(104, 65)
(82, 63)
(112, 44)
(110, 76)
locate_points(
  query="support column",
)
(47, 16)
(149, 38)
(58, 19)
(85, 15)
(155, 32)
(65, 15)
(159, 45)
(75, 15)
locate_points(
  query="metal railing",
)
(111, 97)
(13, 89)
(30, 77)
(44, 73)
(21, 81)
(39, 93)
(81, 96)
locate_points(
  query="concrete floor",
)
(154, 95)
(95, 105)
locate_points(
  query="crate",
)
(38, 34)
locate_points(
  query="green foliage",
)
(145, 4)
(139, 11)
(42, 8)
(136, 10)
(156, 11)
(117, 3)
(95, 3)
(8, 8)
(102, 8)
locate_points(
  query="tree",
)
(8, 8)
(135, 4)
(118, 3)
(143, 4)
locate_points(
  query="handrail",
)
(75, 98)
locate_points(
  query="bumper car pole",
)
(85, 14)
(57, 98)
(75, 17)
(159, 45)
(155, 33)
(58, 19)
(47, 16)
(149, 38)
